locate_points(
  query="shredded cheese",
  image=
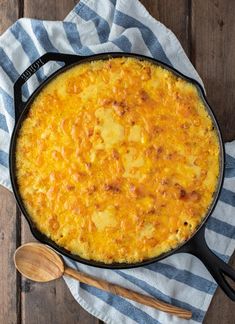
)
(117, 160)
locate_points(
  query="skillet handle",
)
(33, 68)
(218, 268)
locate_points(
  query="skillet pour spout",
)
(196, 245)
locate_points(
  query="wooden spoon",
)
(40, 263)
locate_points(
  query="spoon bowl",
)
(38, 262)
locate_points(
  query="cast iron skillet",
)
(195, 245)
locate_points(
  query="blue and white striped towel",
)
(119, 25)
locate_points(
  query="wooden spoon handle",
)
(118, 290)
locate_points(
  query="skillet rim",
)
(44, 239)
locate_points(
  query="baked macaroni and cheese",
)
(117, 160)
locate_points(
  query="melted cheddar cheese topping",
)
(117, 160)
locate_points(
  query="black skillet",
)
(195, 245)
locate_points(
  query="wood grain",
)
(9, 12)
(213, 53)
(49, 9)
(9, 297)
(127, 293)
(38, 262)
(10, 306)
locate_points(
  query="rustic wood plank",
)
(9, 232)
(213, 54)
(9, 301)
(9, 12)
(51, 302)
(174, 15)
(50, 9)
(213, 50)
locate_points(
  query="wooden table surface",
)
(206, 30)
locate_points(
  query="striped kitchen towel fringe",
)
(106, 26)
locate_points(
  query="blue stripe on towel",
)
(73, 37)
(123, 43)
(181, 275)
(3, 123)
(7, 102)
(197, 313)
(221, 227)
(8, 66)
(228, 197)
(28, 46)
(230, 172)
(4, 159)
(229, 160)
(229, 166)
(102, 26)
(122, 305)
(148, 36)
(10, 70)
(42, 35)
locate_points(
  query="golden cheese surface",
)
(117, 160)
